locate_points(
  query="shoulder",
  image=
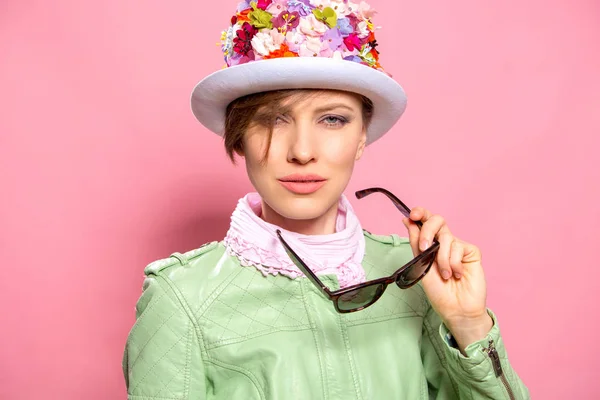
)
(194, 275)
(178, 260)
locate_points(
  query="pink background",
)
(104, 169)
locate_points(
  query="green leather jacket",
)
(208, 328)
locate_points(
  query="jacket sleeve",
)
(485, 373)
(162, 358)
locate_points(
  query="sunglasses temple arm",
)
(304, 268)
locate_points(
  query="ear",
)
(361, 144)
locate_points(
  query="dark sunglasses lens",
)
(360, 297)
(415, 272)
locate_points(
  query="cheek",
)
(340, 151)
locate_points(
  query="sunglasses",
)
(360, 296)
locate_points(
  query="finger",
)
(443, 256)
(413, 235)
(431, 229)
(457, 253)
(420, 214)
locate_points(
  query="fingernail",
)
(457, 275)
(446, 274)
(424, 245)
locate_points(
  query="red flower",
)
(242, 43)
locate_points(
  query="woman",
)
(298, 301)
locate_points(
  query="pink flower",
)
(294, 40)
(363, 10)
(314, 47)
(352, 42)
(263, 4)
(277, 6)
(311, 26)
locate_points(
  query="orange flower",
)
(283, 51)
(243, 16)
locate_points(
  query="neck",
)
(322, 225)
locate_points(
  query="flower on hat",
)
(266, 42)
(294, 40)
(363, 29)
(344, 26)
(263, 4)
(314, 47)
(327, 15)
(286, 21)
(227, 39)
(339, 6)
(363, 10)
(302, 7)
(266, 29)
(260, 18)
(311, 26)
(283, 51)
(333, 38)
(277, 6)
(243, 40)
(352, 41)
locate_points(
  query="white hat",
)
(300, 44)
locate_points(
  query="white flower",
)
(363, 29)
(311, 26)
(312, 47)
(263, 44)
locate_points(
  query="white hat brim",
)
(212, 95)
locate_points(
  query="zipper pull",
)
(493, 353)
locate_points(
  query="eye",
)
(334, 121)
(280, 119)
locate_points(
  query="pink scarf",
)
(255, 242)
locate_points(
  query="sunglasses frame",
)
(334, 295)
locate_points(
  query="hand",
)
(455, 284)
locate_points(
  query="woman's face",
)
(311, 156)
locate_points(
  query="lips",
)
(302, 184)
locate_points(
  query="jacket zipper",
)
(493, 353)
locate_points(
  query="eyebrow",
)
(330, 107)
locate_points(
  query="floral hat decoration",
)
(300, 44)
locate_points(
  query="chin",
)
(303, 207)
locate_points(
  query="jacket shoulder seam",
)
(393, 239)
(155, 267)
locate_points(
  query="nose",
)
(302, 146)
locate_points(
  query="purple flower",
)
(244, 5)
(302, 7)
(287, 20)
(354, 58)
(343, 24)
(334, 38)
